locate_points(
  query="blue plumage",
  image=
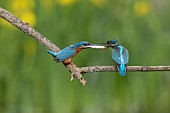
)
(122, 69)
(66, 54)
(52, 53)
(63, 54)
(120, 55)
(82, 43)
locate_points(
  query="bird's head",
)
(85, 44)
(112, 43)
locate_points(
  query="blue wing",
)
(66, 53)
(125, 55)
(120, 55)
(116, 55)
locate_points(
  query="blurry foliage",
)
(31, 82)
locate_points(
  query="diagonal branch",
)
(24, 27)
(75, 71)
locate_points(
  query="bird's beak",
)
(96, 46)
(108, 45)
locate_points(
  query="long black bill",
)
(107, 45)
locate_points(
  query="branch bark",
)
(24, 27)
(75, 71)
(92, 69)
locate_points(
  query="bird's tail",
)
(52, 53)
(122, 69)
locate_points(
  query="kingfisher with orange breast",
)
(68, 53)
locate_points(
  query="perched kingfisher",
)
(120, 55)
(68, 53)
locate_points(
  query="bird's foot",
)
(55, 59)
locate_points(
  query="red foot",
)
(55, 59)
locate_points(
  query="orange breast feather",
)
(67, 61)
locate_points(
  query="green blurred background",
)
(31, 82)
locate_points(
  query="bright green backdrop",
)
(31, 82)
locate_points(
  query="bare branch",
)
(24, 27)
(92, 69)
(75, 71)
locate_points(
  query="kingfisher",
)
(120, 55)
(68, 53)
